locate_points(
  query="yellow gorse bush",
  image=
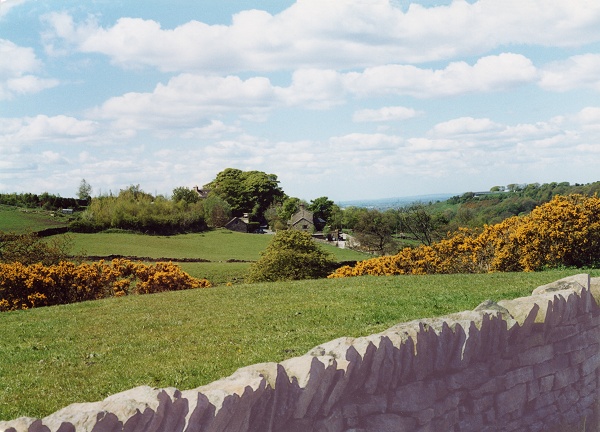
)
(564, 231)
(26, 286)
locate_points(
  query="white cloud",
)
(581, 71)
(16, 67)
(466, 126)
(187, 100)
(589, 115)
(335, 34)
(7, 5)
(484, 133)
(332, 166)
(313, 88)
(214, 130)
(491, 73)
(16, 131)
(366, 142)
(385, 114)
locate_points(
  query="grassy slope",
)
(216, 246)
(14, 219)
(219, 245)
(55, 356)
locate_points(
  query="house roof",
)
(235, 219)
(300, 215)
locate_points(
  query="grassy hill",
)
(55, 356)
(20, 220)
(229, 252)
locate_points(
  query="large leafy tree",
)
(185, 194)
(246, 191)
(374, 231)
(322, 208)
(84, 192)
(421, 224)
(279, 213)
(217, 211)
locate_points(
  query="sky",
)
(349, 99)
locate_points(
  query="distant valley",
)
(396, 202)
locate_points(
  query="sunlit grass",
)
(216, 245)
(51, 357)
(18, 220)
(222, 248)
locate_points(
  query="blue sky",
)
(350, 99)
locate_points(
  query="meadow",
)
(228, 253)
(55, 356)
(18, 220)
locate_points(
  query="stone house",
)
(305, 220)
(239, 224)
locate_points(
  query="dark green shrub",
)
(291, 255)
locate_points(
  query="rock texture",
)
(529, 364)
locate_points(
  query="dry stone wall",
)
(529, 364)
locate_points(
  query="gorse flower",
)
(26, 286)
(564, 231)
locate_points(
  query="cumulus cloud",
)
(16, 131)
(589, 116)
(7, 5)
(313, 88)
(490, 73)
(485, 133)
(385, 114)
(465, 144)
(17, 67)
(303, 37)
(186, 100)
(466, 126)
(581, 71)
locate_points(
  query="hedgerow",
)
(562, 232)
(27, 286)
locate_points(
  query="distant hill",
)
(396, 202)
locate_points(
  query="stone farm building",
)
(305, 220)
(240, 224)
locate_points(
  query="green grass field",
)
(18, 220)
(215, 245)
(55, 356)
(218, 247)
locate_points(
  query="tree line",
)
(258, 196)
(562, 232)
(45, 201)
(387, 231)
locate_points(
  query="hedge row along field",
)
(27, 286)
(562, 232)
